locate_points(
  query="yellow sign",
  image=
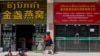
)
(33, 10)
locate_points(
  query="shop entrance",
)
(24, 36)
(77, 38)
(28, 37)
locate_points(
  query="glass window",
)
(71, 31)
(60, 31)
(85, 42)
(83, 31)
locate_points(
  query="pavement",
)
(58, 54)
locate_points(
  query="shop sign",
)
(75, 12)
(24, 11)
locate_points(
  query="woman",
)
(48, 43)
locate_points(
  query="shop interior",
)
(24, 34)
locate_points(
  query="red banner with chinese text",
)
(87, 12)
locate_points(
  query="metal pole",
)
(10, 37)
(89, 38)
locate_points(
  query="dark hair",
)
(48, 33)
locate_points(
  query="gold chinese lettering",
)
(6, 15)
(39, 14)
(28, 14)
(17, 15)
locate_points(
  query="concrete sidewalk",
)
(59, 54)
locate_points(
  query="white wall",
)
(49, 14)
(50, 18)
(0, 35)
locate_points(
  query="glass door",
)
(77, 37)
(94, 31)
(83, 31)
(72, 37)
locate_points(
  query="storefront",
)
(76, 26)
(23, 24)
(22, 36)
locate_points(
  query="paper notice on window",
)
(92, 29)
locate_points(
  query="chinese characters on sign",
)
(77, 7)
(76, 13)
(28, 14)
(30, 10)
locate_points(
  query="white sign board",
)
(92, 29)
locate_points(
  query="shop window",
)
(40, 28)
(8, 34)
(60, 31)
(71, 31)
(83, 31)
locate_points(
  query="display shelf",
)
(7, 34)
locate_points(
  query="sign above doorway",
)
(76, 12)
(23, 12)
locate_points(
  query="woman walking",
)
(48, 43)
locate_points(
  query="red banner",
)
(77, 12)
